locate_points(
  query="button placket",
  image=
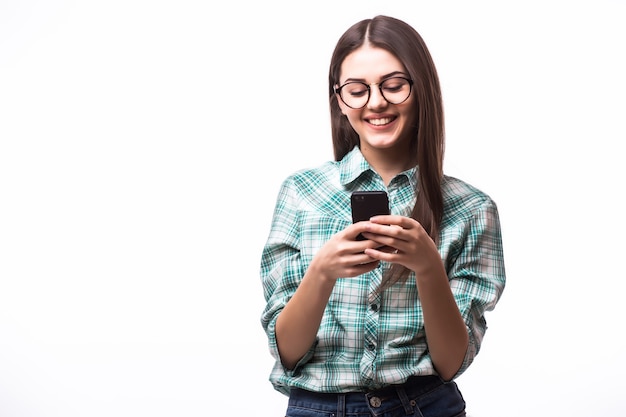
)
(370, 335)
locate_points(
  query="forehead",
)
(370, 64)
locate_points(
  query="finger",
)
(361, 268)
(406, 223)
(388, 254)
(391, 220)
(387, 249)
(386, 235)
(355, 231)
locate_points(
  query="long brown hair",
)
(428, 141)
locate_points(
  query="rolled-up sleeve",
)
(281, 264)
(477, 275)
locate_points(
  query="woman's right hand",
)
(342, 256)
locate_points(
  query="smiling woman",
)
(381, 323)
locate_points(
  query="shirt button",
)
(375, 402)
(374, 307)
(371, 346)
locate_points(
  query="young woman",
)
(380, 326)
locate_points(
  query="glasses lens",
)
(355, 94)
(395, 90)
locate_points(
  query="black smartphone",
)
(366, 204)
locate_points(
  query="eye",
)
(394, 85)
(356, 89)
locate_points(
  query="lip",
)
(391, 119)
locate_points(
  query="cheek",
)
(410, 114)
(411, 117)
(354, 118)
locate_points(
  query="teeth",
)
(380, 122)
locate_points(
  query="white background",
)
(142, 144)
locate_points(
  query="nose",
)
(376, 100)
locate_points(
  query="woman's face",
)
(379, 124)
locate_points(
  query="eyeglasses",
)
(355, 94)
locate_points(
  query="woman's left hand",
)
(402, 240)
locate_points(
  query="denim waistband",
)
(392, 396)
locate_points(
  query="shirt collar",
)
(354, 164)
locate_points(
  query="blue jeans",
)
(420, 396)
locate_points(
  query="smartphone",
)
(366, 204)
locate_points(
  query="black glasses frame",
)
(369, 91)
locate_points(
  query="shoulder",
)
(461, 198)
(313, 177)
(315, 190)
(312, 185)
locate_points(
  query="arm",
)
(297, 294)
(298, 323)
(446, 332)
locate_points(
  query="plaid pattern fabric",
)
(366, 341)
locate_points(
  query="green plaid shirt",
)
(366, 342)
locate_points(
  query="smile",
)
(382, 121)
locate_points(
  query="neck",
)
(389, 162)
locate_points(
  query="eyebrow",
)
(383, 77)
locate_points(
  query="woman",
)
(380, 326)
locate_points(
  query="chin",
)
(386, 143)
